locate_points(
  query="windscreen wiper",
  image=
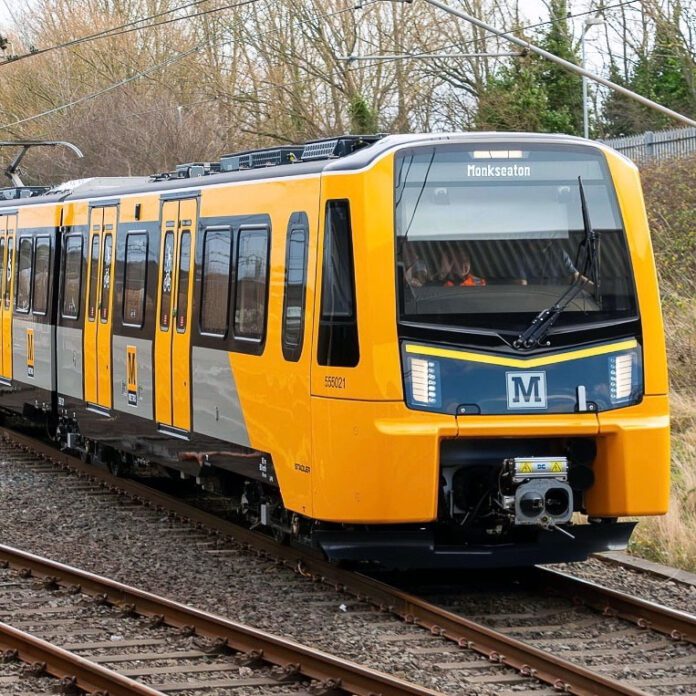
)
(537, 331)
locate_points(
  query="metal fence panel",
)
(657, 145)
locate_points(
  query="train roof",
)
(198, 175)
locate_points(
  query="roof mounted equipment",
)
(329, 148)
(12, 171)
(267, 157)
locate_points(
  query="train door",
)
(8, 226)
(97, 332)
(173, 332)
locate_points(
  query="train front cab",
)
(417, 457)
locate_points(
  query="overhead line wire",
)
(144, 73)
(118, 30)
(165, 64)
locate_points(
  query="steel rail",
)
(678, 625)
(295, 658)
(76, 670)
(497, 647)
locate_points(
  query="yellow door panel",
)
(181, 334)
(165, 307)
(106, 291)
(8, 294)
(92, 304)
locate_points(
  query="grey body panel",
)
(217, 411)
(44, 373)
(69, 352)
(141, 405)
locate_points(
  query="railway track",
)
(501, 645)
(153, 645)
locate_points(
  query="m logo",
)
(526, 390)
(30, 352)
(132, 375)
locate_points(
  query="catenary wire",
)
(104, 34)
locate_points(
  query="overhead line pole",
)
(562, 62)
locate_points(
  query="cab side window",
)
(338, 327)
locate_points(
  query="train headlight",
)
(425, 382)
(621, 376)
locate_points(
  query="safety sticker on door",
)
(30, 352)
(132, 375)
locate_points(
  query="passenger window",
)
(183, 286)
(215, 296)
(93, 278)
(3, 241)
(106, 280)
(72, 277)
(23, 300)
(252, 277)
(8, 272)
(295, 286)
(338, 328)
(42, 259)
(134, 279)
(167, 277)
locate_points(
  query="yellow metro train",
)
(417, 350)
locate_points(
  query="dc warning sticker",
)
(132, 375)
(30, 352)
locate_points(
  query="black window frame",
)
(184, 234)
(17, 308)
(338, 340)
(231, 270)
(143, 304)
(33, 276)
(292, 350)
(9, 272)
(64, 268)
(251, 229)
(106, 264)
(93, 276)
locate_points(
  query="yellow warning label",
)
(526, 468)
(556, 467)
(132, 375)
(30, 352)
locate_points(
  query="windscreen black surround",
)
(488, 236)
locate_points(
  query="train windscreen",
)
(489, 236)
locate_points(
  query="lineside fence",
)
(656, 145)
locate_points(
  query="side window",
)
(23, 282)
(183, 284)
(106, 279)
(72, 277)
(134, 279)
(252, 280)
(42, 260)
(167, 280)
(215, 295)
(295, 287)
(3, 241)
(93, 278)
(8, 272)
(338, 328)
